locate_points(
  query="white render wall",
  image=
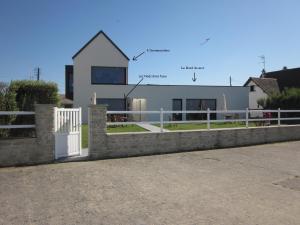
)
(160, 96)
(255, 95)
(100, 52)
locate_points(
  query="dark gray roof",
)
(268, 85)
(286, 78)
(64, 100)
(101, 32)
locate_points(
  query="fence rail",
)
(226, 113)
(10, 113)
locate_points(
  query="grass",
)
(110, 129)
(198, 126)
(125, 128)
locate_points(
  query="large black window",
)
(108, 75)
(200, 104)
(69, 81)
(113, 104)
(177, 106)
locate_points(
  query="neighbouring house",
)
(271, 82)
(65, 102)
(101, 67)
(260, 88)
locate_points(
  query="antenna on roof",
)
(263, 61)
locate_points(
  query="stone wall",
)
(104, 145)
(25, 151)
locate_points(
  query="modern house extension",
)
(101, 67)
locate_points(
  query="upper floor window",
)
(108, 75)
(252, 88)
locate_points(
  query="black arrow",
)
(194, 78)
(135, 57)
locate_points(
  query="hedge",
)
(288, 99)
(21, 95)
(29, 92)
(7, 103)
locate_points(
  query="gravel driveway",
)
(249, 185)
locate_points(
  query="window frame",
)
(177, 116)
(125, 75)
(201, 116)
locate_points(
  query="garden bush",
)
(21, 95)
(7, 103)
(29, 92)
(288, 99)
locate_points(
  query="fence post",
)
(208, 119)
(55, 119)
(278, 116)
(161, 120)
(247, 118)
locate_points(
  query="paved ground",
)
(251, 185)
(150, 127)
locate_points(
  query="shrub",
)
(22, 95)
(288, 99)
(7, 103)
(29, 92)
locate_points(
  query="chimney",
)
(284, 68)
(263, 72)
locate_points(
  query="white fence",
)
(67, 120)
(228, 116)
(67, 130)
(12, 113)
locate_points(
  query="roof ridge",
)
(93, 38)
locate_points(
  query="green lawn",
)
(197, 126)
(125, 128)
(110, 129)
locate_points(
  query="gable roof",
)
(286, 78)
(268, 85)
(93, 38)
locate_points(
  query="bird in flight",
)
(205, 41)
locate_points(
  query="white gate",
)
(67, 130)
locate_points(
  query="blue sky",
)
(48, 33)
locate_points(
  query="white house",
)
(101, 67)
(260, 88)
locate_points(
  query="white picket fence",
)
(67, 120)
(244, 114)
(12, 113)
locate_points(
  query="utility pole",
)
(230, 81)
(37, 73)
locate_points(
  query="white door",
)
(139, 104)
(67, 130)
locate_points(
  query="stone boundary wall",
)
(102, 145)
(26, 151)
